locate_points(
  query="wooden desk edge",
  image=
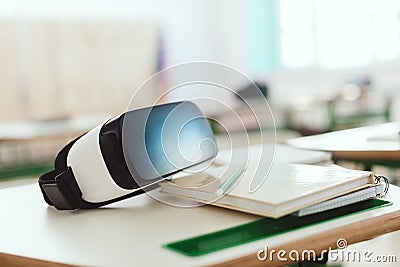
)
(370, 228)
(11, 260)
(389, 155)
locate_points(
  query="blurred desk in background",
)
(371, 108)
(34, 130)
(29, 147)
(319, 115)
(370, 145)
(253, 137)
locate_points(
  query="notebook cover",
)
(288, 188)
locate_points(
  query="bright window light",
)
(338, 33)
(297, 45)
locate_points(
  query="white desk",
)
(131, 232)
(364, 143)
(34, 142)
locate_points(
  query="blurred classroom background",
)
(68, 65)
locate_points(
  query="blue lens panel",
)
(164, 139)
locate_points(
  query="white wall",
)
(194, 30)
(210, 30)
(207, 30)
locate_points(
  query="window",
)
(338, 33)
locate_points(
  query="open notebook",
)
(289, 188)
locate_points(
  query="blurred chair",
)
(357, 105)
(370, 109)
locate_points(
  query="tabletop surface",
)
(133, 230)
(26, 130)
(372, 144)
(381, 137)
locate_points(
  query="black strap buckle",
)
(61, 190)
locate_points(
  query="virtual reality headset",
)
(128, 155)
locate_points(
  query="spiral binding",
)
(379, 178)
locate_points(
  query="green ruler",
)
(264, 228)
